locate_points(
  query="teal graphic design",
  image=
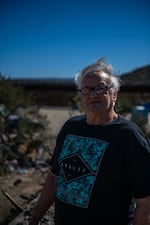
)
(79, 161)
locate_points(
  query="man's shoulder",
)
(129, 126)
(126, 125)
(126, 122)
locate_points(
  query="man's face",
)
(97, 94)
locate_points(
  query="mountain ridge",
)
(139, 76)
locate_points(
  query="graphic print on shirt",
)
(79, 161)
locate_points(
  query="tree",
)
(12, 97)
(19, 122)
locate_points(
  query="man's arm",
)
(142, 211)
(46, 199)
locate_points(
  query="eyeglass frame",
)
(101, 89)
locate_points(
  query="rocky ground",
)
(18, 195)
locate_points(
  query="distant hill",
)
(138, 77)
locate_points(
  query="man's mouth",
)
(94, 102)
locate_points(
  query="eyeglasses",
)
(100, 89)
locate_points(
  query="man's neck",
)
(96, 119)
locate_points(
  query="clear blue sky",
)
(57, 38)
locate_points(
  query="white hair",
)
(102, 66)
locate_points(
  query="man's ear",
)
(115, 95)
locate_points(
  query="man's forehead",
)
(99, 74)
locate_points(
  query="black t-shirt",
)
(100, 169)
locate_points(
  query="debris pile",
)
(24, 177)
(24, 217)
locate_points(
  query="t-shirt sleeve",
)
(139, 165)
(54, 160)
(58, 147)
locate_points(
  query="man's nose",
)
(93, 92)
